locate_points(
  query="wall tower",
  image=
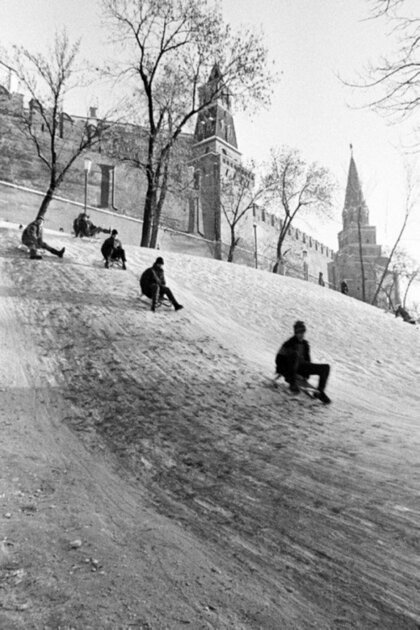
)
(214, 144)
(358, 259)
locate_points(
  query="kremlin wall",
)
(192, 220)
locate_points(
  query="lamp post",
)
(87, 167)
(255, 245)
(305, 265)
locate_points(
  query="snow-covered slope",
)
(323, 500)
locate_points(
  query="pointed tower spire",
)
(355, 207)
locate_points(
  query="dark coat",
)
(32, 235)
(291, 346)
(110, 246)
(402, 312)
(150, 278)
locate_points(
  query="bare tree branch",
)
(167, 52)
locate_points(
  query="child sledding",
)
(293, 362)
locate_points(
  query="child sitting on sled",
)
(294, 359)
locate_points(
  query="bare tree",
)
(168, 48)
(47, 79)
(394, 80)
(384, 7)
(407, 270)
(238, 198)
(295, 188)
(410, 202)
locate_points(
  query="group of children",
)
(293, 360)
(152, 280)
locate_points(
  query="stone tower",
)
(358, 260)
(214, 145)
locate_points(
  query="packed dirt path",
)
(150, 479)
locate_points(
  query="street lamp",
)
(255, 245)
(87, 167)
(305, 265)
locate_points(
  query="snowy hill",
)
(211, 499)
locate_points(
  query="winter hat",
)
(299, 327)
(159, 261)
(114, 232)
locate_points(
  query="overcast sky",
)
(312, 42)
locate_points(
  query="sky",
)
(314, 43)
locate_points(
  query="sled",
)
(161, 301)
(306, 387)
(303, 384)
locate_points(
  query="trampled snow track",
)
(314, 509)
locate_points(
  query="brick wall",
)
(20, 165)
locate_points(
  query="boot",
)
(33, 255)
(293, 387)
(178, 307)
(324, 398)
(123, 266)
(56, 252)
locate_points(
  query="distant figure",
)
(402, 312)
(112, 250)
(33, 238)
(344, 288)
(321, 280)
(153, 285)
(294, 359)
(82, 225)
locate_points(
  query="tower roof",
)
(355, 208)
(354, 195)
(215, 73)
(215, 120)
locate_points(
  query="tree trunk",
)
(378, 288)
(159, 203)
(279, 264)
(233, 243)
(46, 202)
(411, 280)
(217, 235)
(148, 212)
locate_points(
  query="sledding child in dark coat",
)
(402, 312)
(294, 359)
(33, 238)
(112, 250)
(153, 285)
